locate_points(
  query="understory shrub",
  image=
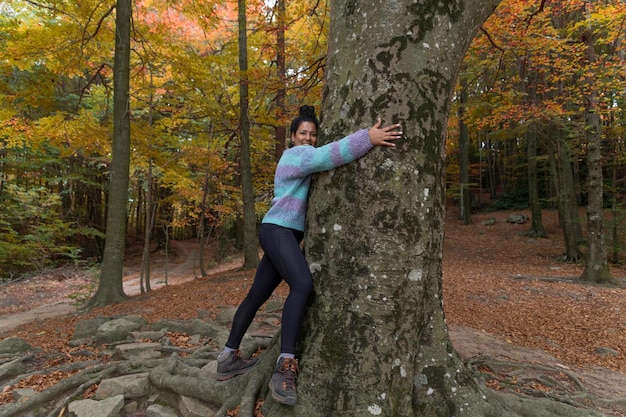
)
(32, 233)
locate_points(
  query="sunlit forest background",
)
(523, 95)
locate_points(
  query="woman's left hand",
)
(380, 136)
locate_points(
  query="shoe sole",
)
(280, 398)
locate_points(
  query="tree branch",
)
(535, 13)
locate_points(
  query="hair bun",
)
(308, 111)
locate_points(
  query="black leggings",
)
(283, 259)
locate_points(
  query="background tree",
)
(464, 181)
(251, 255)
(110, 288)
(596, 263)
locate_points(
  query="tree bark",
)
(280, 130)
(464, 190)
(150, 213)
(110, 288)
(596, 263)
(536, 229)
(251, 254)
(376, 341)
(566, 196)
(528, 87)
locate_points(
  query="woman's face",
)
(306, 134)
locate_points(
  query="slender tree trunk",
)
(568, 208)
(528, 88)
(250, 247)
(149, 215)
(110, 288)
(464, 189)
(491, 168)
(202, 232)
(138, 210)
(596, 263)
(280, 130)
(3, 173)
(614, 204)
(150, 209)
(536, 229)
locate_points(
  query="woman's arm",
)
(346, 150)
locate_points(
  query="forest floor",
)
(506, 296)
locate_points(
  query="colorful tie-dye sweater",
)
(293, 175)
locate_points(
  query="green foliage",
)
(32, 234)
(85, 292)
(514, 200)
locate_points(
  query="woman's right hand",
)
(380, 136)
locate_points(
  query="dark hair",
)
(307, 114)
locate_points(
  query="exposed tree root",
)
(523, 379)
(50, 395)
(68, 367)
(244, 391)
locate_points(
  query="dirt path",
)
(48, 295)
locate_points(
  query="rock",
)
(191, 407)
(490, 221)
(11, 369)
(130, 386)
(517, 218)
(23, 394)
(111, 407)
(156, 410)
(86, 329)
(131, 408)
(178, 326)
(604, 351)
(119, 329)
(138, 350)
(192, 327)
(14, 345)
(152, 336)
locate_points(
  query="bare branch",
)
(535, 13)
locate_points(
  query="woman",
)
(281, 232)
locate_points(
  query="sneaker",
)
(234, 365)
(283, 382)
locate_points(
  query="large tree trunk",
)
(250, 251)
(376, 341)
(110, 288)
